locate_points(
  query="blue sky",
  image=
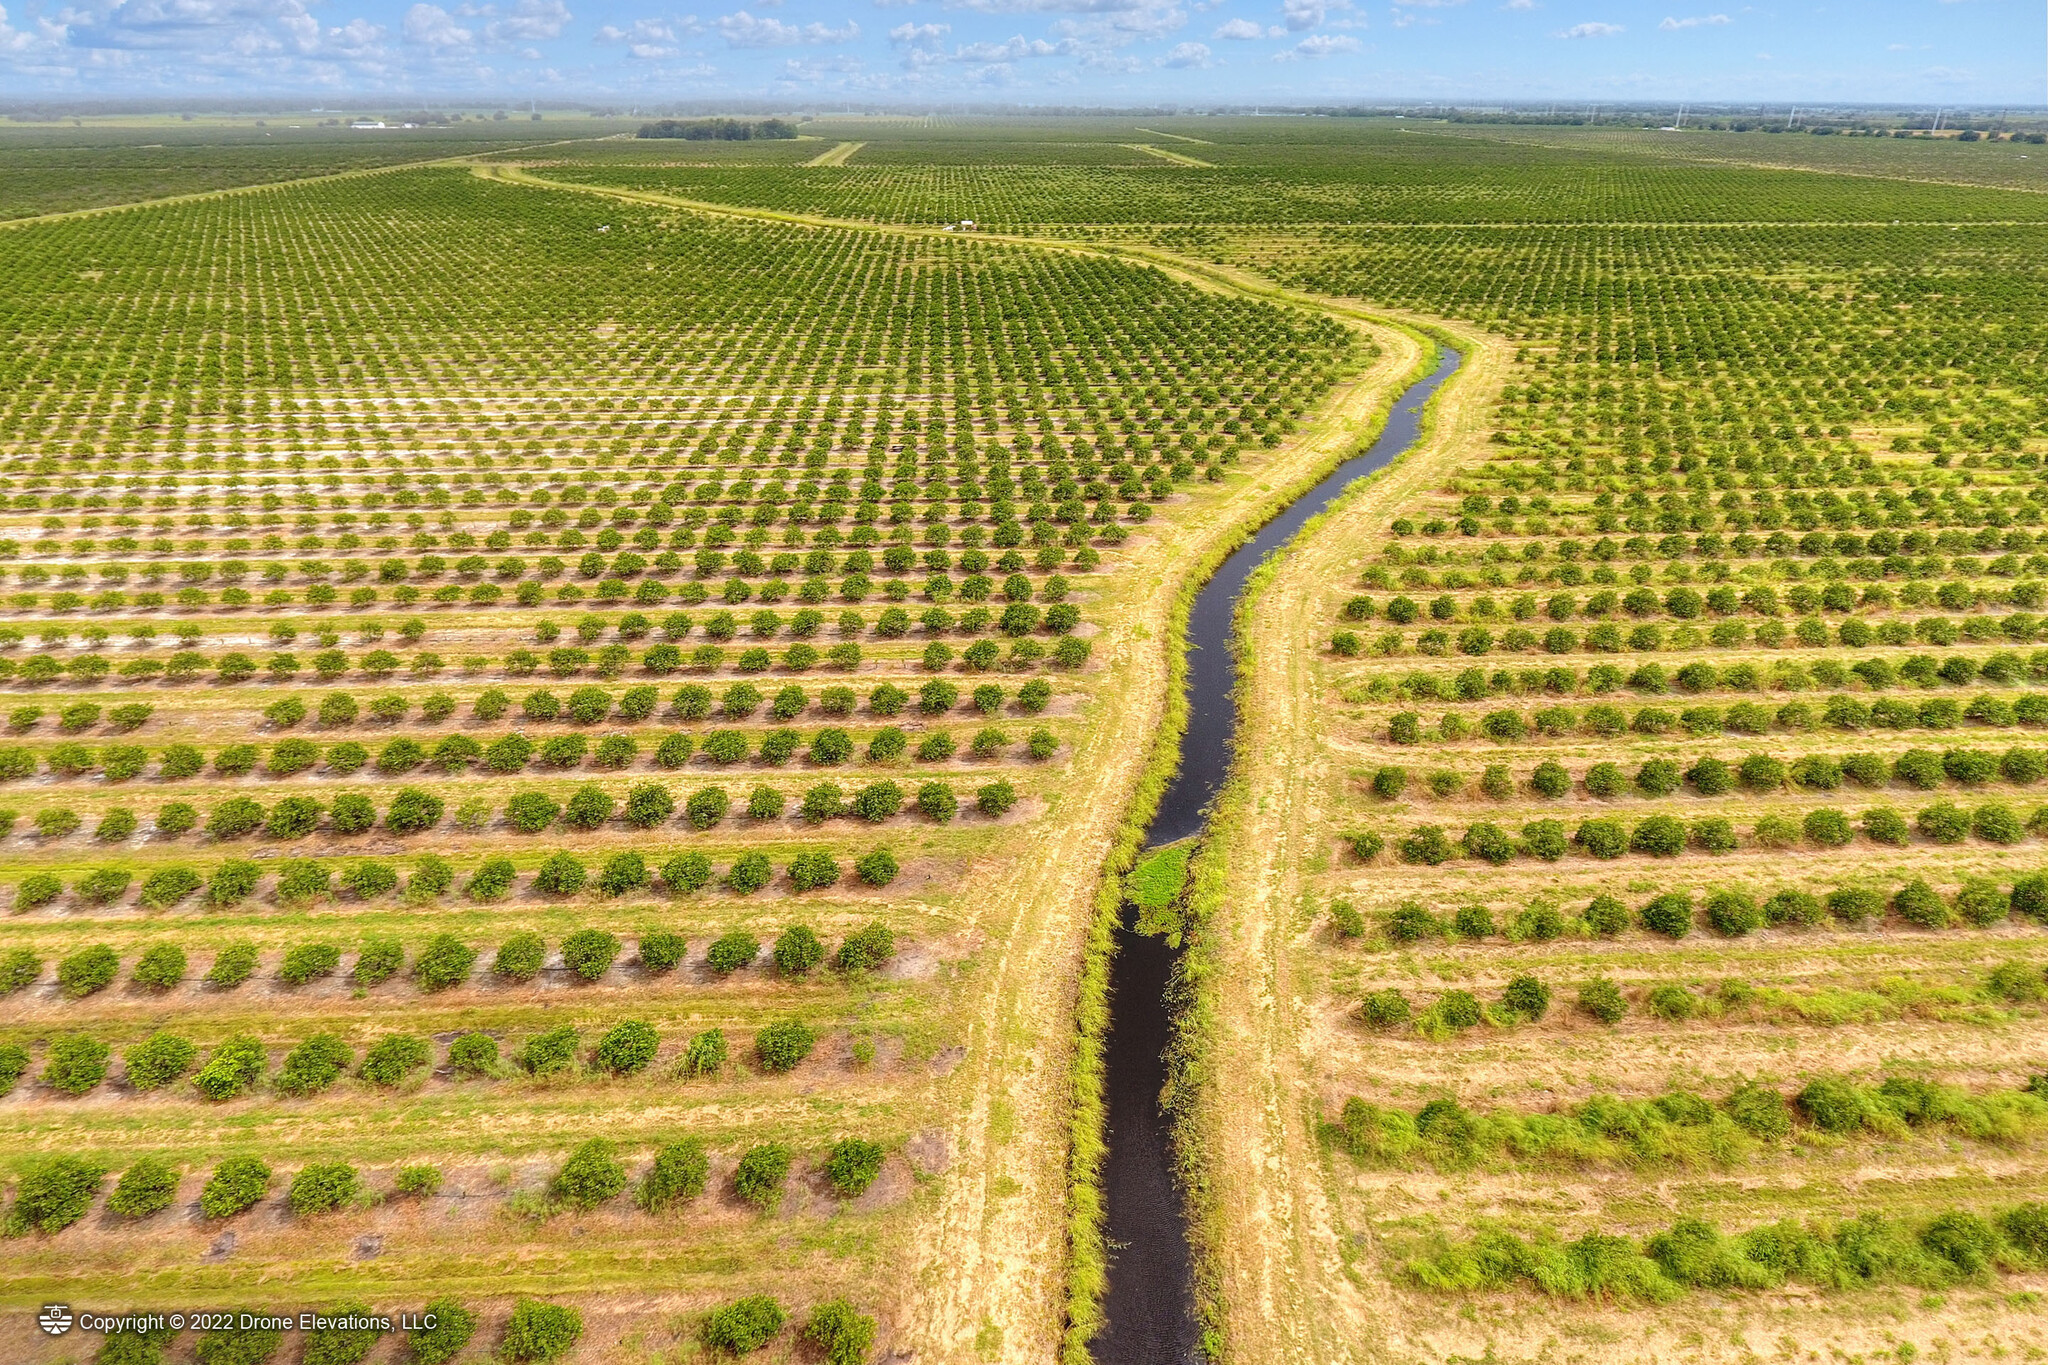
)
(1034, 51)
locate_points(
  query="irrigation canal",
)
(1149, 1315)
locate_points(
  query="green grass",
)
(1155, 885)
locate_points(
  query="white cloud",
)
(642, 31)
(1594, 30)
(1520, 5)
(211, 26)
(357, 38)
(217, 44)
(18, 43)
(1013, 49)
(1184, 55)
(1243, 31)
(1318, 45)
(924, 44)
(1052, 6)
(303, 28)
(1301, 14)
(651, 40)
(1105, 31)
(1671, 25)
(530, 21)
(434, 28)
(746, 30)
(918, 35)
(802, 69)
(648, 40)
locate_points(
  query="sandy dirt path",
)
(1177, 158)
(836, 156)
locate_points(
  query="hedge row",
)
(612, 562)
(1725, 590)
(1666, 836)
(1813, 543)
(414, 810)
(707, 563)
(457, 754)
(584, 706)
(447, 961)
(764, 622)
(1017, 621)
(1950, 1248)
(1687, 603)
(57, 1192)
(1527, 999)
(1610, 638)
(720, 627)
(2004, 669)
(1729, 911)
(840, 1334)
(1890, 551)
(76, 1063)
(813, 589)
(690, 702)
(1756, 773)
(593, 1175)
(1605, 720)
(747, 575)
(607, 592)
(590, 627)
(691, 508)
(1683, 1128)
(301, 881)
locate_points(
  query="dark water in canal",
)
(1149, 1313)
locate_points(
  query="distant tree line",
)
(718, 129)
